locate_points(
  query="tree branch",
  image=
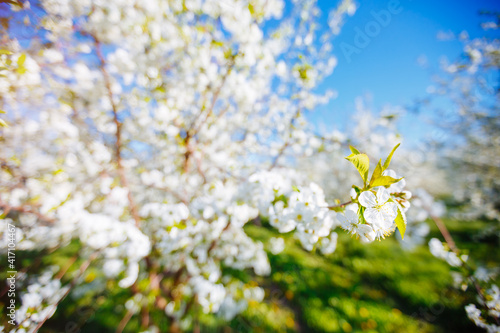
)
(27, 210)
(118, 142)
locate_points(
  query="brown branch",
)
(27, 210)
(285, 145)
(170, 191)
(215, 97)
(451, 244)
(444, 231)
(118, 124)
(215, 241)
(124, 321)
(280, 153)
(191, 132)
(187, 154)
(200, 170)
(339, 205)
(63, 271)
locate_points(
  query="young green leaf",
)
(377, 172)
(384, 181)
(388, 160)
(21, 60)
(361, 162)
(3, 123)
(354, 150)
(401, 221)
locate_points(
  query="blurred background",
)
(424, 73)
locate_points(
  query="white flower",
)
(277, 245)
(279, 220)
(351, 224)
(473, 313)
(299, 213)
(379, 212)
(210, 295)
(380, 232)
(493, 300)
(327, 245)
(437, 249)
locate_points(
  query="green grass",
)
(375, 287)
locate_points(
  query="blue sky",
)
(387, 68)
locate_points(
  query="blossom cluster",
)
(492, 304)
(482, 280)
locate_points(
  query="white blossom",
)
(379, 211)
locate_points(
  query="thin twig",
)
(286, 144)
(118, 144)
(451, 244)
(27, 210)
(339, 205)
(191, 132)
(444, 231)
(124, 321)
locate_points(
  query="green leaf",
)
(217, 43)
(384, 181)
(21, 60)
(3, 123)
(401, 221)
(2, 51)
(251, 9)
(388, 160)
(295, 188)
(2, 111)
(303, 70)
(361, 162)
(377, 172)
(354, 150)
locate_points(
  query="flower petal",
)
(351, 216)
(367, 199)
(390, 210)
(342, 219)
(366, 232)
(382, 195)
(374, 216)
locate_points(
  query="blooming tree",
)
(148, 133)
(472, 125)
